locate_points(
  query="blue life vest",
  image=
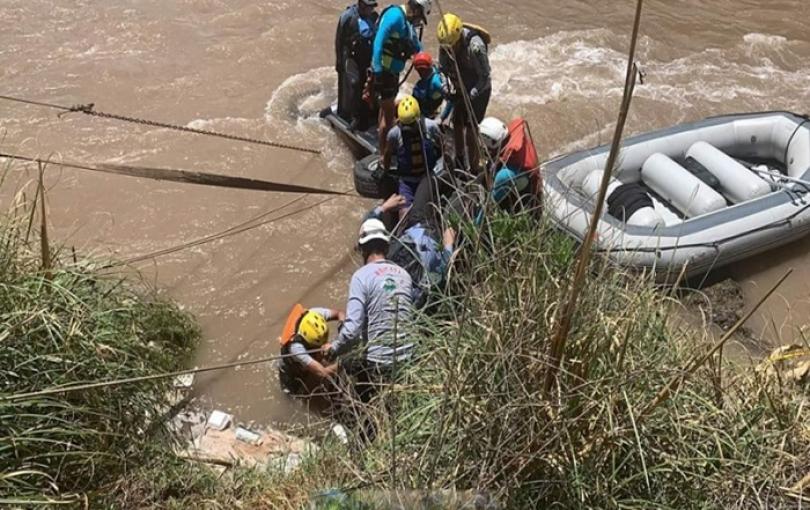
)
(428, 92)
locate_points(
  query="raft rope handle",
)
(89, 109)
(790, 140)
(410, 68)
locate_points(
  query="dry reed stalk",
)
(560, 335)
(43, 228)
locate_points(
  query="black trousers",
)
(351, 81)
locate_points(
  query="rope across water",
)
(89, 109)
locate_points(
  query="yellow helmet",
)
(313, 328)
(449, 29)
(408, 110)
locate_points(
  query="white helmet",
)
(494, 132)
(372, 229)
(425, 5)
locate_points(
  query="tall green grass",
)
(71, 326)
(470, 412)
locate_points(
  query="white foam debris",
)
(766, 39)
(218, 122)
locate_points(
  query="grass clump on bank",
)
(471, 413)
(65, 326)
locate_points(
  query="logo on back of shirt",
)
(390, 285)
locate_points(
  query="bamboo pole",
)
(563, 326)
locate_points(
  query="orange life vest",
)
(290, 325)
(519, 153)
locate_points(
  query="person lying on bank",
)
(418, 249)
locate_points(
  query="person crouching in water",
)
(303, 367)
(378, 314)
(416, 142)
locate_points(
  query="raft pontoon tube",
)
(699, 195)
(361, 143)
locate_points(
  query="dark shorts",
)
(479, 106)
(407, 188)
(387, 85)
(423, 208)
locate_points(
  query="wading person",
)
(395, 42)
(464, 59)
(303, 367)
(353, 40)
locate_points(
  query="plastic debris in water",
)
(184, 381)
(248, 436)
(340, 433)
(219, 420)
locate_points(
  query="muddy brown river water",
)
(264, 69)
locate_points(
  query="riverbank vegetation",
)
(470, 413)
(67, 324)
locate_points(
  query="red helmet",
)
(422, 60)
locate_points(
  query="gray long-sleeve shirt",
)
(379, 296)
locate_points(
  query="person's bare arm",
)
(386, 161)
(322, 371)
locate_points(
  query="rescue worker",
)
(464, 59)
(378, 313)
(395, 42)
(416, 143)
(353, 41)
(417, 250)
(430, 90)
(511, 156)
(303, 367)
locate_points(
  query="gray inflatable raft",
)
(691, 198)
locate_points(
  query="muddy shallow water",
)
(264, 69)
